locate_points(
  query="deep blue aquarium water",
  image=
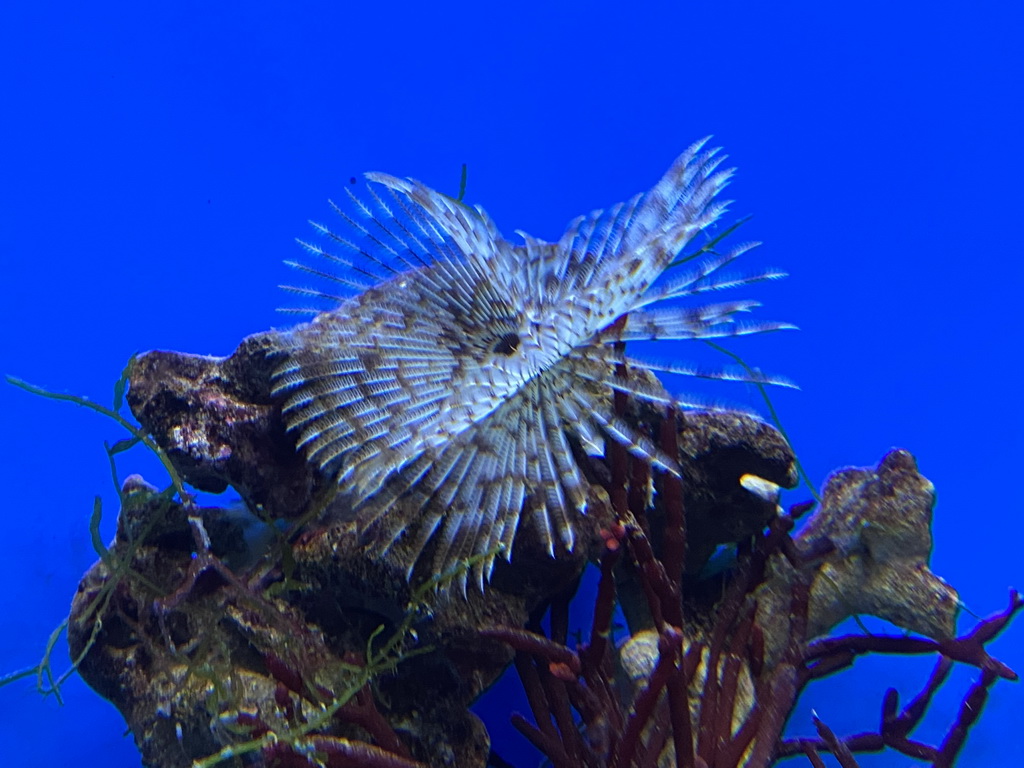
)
(158, 163)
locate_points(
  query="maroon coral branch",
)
(968, 649)
(841, 752)
(558, 681)
(679, 708)
(707, 730)
(593, 655)
(718, 699)
(674, 546)
(336, 753)
(775, 697)
(669, 649)
(914, 711)
(637, 492)
(827, 664)
(755, 649)
(732, 752)
(537, 698)
(662, 593)
(551, 746)
(537, 645)
(362, 711)
(559, 613)
(290, 678)
(971, 648)
(970, 710)
(558, 703)
(894, 729)
(988, 629)
(813, 756)
(679, 713)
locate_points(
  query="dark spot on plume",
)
(507, 344)
(370, 360)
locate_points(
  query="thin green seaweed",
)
(381, 660)
(113, 413)
(46, 681)
(462, 184)
(709, 246)
(772, 411)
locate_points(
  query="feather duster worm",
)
(466, 369)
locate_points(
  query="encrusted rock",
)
(216, 420)
(874, 532)
(189, 653)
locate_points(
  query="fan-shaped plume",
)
(456, 381)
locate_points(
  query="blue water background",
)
(159, 159)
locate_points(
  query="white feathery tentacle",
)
(458, 380)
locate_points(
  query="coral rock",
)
(190, 655)
(874, 528)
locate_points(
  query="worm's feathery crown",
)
(461, 372)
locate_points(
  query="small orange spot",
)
(561, 671)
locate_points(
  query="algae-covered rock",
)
(235, 628)
(220, 625)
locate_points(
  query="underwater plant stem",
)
(462, 184)
(774, 414)
(145, 439)
(709, 247)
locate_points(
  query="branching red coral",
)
(713, 698)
